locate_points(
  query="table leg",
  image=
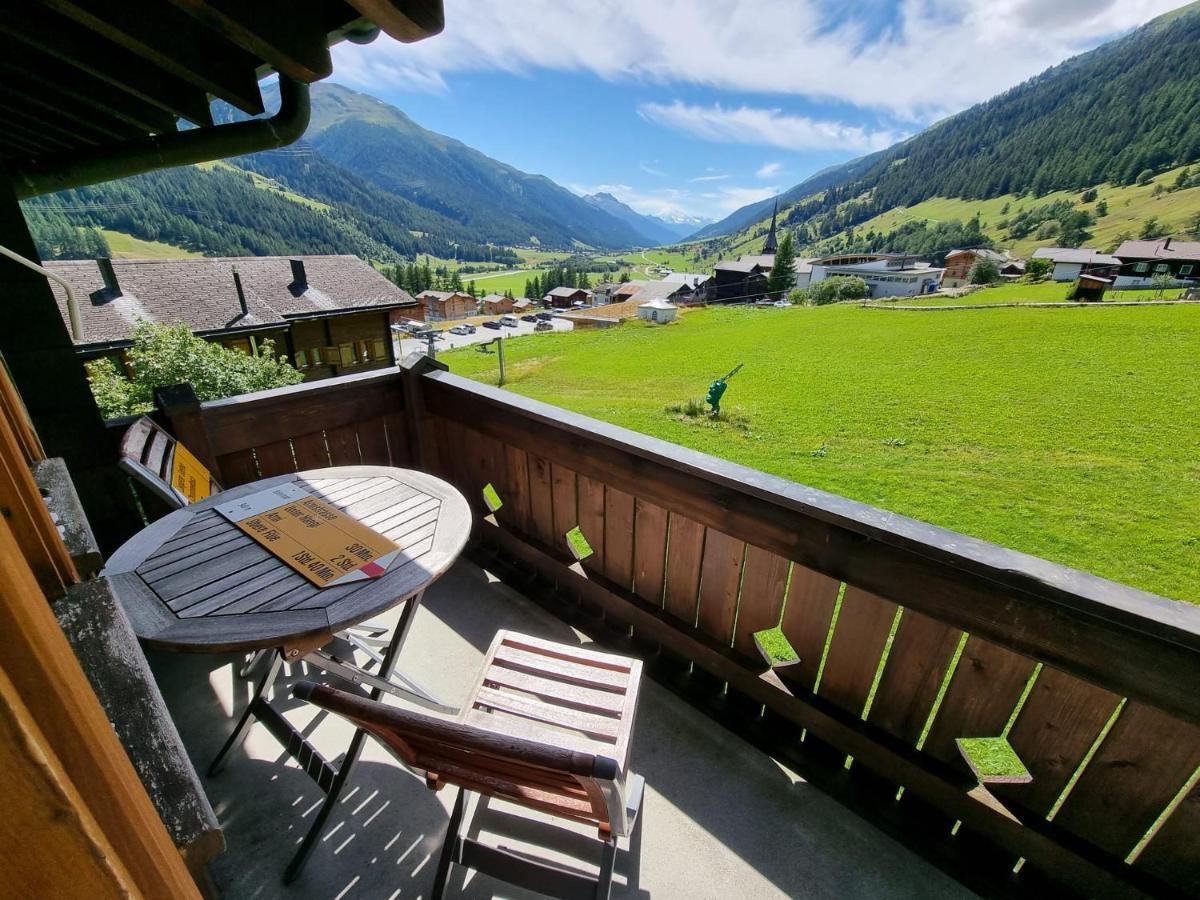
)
(296, 866)
(243, 725)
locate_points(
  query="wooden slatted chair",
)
(148, 454)
(548, 728)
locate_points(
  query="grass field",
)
(1042, 292)
(1069, 434)
(126, 246)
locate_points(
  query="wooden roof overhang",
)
(92, 90)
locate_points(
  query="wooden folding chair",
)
(548, 728)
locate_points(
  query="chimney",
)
(110, 277)
(1167, 244)
(237, 281)
(298, 275)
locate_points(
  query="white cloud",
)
(651, 170)
(769, 127)
(699, 178)
(769, 170)
(938, 56)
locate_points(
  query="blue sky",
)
(696, 107)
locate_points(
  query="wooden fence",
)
(909, 635)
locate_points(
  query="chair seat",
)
(559, 695)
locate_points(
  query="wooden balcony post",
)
(422, 439)
(181, 406)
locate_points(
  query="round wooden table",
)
(193, 581)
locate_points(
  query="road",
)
(482, 335)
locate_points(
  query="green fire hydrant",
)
(717, 390)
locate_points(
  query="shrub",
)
(798, 295)
(1145, 176)
(1037, 269)
(838, 288)
(984, 271)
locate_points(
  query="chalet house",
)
(960, 262)
(887, 275)
(330, 315)
(646, 291)
(442, 305)
(523, 305)
(496, 305)
(741, 279)
(1142, 260)
(1071, 262)
(566, 297)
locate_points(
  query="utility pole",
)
(500, 351)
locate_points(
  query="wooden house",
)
(567, 297)
(1141, 261)
(496, 305)
(959, 263)
(442, 305)
(329, 315)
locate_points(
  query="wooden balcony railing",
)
(909, 635)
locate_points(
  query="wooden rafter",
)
(417, 20)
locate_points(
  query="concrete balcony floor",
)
(721, 819)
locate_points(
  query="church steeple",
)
(770, 245)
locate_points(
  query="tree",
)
(163, 355)
(1088, 196)
(1161, 281)
(1194, 226)
(838, 287)
(984, 271)
(1101, 209)
(1145, 176)
(1151, 229)
(1037, 268)
(471, 288)
(783, 271)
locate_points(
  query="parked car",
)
(543, 326)
(545, 316)
(529, 317)
(509, 321)
(470, 329)
(459, 329)
(492, 323)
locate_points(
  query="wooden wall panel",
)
(862, 629)
(720, 576)
(920, 657)
(983, 692)
(618, 537)
(237, 468)
(764, 578)
(807, 613)
(516, 480)
(685, 549)
(275, 459)
(372, 442)
(591, 519)
(566, 508)
(1061, 719)
(1173, 854)
(1142, 764)
(343, 445)
(650, 552)
(541, 500)
(311, 452)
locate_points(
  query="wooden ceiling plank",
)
(288, 36)
(177, 43)
(408, 21)
(60, 106)
(18, 116)
(66, 42)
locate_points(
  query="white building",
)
(887, 275)
(658, 310)
(1071, 262)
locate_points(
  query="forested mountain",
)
(1123, 111)
(651, 230)
(382, 144)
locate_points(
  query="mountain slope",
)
(1110, 115)
(382, 144)
(651, 229)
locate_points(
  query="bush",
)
(984, 271)
(1037, 269)
(1145, 176)
(163, 355)
(799, 296)
(838, 288)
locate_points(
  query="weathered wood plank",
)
(618, 537)
(566, 509)
(920, 657)
(649, 577)
(1054, 730)
(685, 550)
(863, 624)
(237, 468)
(275, 459)
(764, 578)
(591, 519)
(720, 575)
(982, 694)
(311, 452)
(343, 445)
(372, 442)
(807, 613)
(541, 500)
(1144, 761)
(516, 466)
(1173, 854)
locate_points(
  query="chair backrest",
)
(163, 465)
(571, 784)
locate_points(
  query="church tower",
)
(770, 245)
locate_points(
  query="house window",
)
(301, 359)
(315, 355)
(1141, 267)
(1185, 270)
(379, 349)
(1161, 267)
(346, 354)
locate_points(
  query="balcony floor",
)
(721, 818)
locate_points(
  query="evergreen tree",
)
(783, 272)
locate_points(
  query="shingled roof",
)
(201, 293)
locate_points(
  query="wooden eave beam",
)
(289, 37)
(61, 132)
(418, 19)
(177, 43)
(64, 42)
(57, 107)
(25, 70)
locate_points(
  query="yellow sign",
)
(319, 541)
(189, 477)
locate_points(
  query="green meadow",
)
(1071, 434)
